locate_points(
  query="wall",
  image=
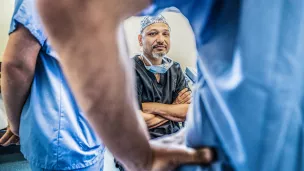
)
(6, 10)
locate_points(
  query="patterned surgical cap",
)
(149, 20)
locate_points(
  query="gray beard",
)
(158, 55)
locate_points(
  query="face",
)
(155, 40)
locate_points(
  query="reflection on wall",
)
(183, 49)
(6, 10)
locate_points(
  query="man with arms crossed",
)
(162, 91)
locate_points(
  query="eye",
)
(152, 34)
(166, 34)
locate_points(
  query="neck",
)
(154, 61)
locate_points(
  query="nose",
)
(160, 39)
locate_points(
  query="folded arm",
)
(152, 120)
(173, 112)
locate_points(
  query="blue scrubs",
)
(249, 100)
(54, 134)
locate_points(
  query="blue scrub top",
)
(249, 99)
(53, 131)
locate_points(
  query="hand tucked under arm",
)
(153, 120)
(184, 97)
(171, 112)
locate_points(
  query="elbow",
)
(11, 63)
(183, 118)
(10, 66)
(16, 69)
(183, 114)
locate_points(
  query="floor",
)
(13, 162)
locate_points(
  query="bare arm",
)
(152, 120)
(17, 73)
(173, 112)
(100, 78)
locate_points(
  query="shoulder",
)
(135, 58)
(137, 63)
(176, 70)
(176, 66)
(26, 14)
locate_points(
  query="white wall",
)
(183, 49)
(6, 11)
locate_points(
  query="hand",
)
(14, 130)
(170, 152)
(184, 97)
(9, 138)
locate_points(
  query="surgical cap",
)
(149, 20)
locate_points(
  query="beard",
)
(158, 55)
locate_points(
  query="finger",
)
(185, 95)
(10, 141)
(177, 100)
(188, 93)
(188, 101)
(187, 155)
(204, 156)
(5, 137)
(183, 91)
